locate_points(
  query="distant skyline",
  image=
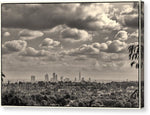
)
(91, 38)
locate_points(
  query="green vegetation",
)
(71, 94)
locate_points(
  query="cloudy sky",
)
(67, 38)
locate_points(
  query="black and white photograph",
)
(73, 54)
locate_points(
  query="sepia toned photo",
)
(88, 54)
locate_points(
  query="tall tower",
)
(75, 79)
(61, 78)
(53, 79)
(56, 78)
(82, 79)
(32, 78)
(79, 76)
(89, 79)
(46, 77)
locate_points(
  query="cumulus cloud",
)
(117, 46)
(102, 46)
(82, 16)
(6, 34)
(133, 43)
(127, 9)
(108, 42)
(31, 52)
(13, 46)
(29, 34)
(93, 50)
(121, 35)
(134, 34)
(65, 33)
(73, 34)
(126, 15)
(84, 49)
(103, 22)
(130, 20)
(49, 43)
(96, 45)
(133, 37)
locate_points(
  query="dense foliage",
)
(71, 94)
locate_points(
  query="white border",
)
(16, 110)
(139, 69)
(39, 1)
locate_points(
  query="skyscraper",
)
(53, 80)
(46, 77)
(54, 77)
(89, 79)
(82, 79)
(61, 78)
(79, 76)
(32, 78)
(75, 79)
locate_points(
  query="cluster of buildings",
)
(55, 78)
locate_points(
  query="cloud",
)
(134, 34)
(127, 9)
(93, 50)
(6, 34)
(110, 57)
(13, 46)
(113, 65)
(49, 43)
(133, 43)
(29, 34)
(102, 46)
(103, 22)
(131, 20)
(128, 16)
(52, 57)
(117, 46)
(31, 52)
(84, 49)
(96, 45)
(108, 42)
(44, 16)
(73, 35)
(121, 35)
(80, 58)
(65, 33)
(95, 16)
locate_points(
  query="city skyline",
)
(50, 78)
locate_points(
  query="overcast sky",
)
(68, 38)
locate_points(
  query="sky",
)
(91, 38)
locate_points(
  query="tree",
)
(134, 55)
(2, 75)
